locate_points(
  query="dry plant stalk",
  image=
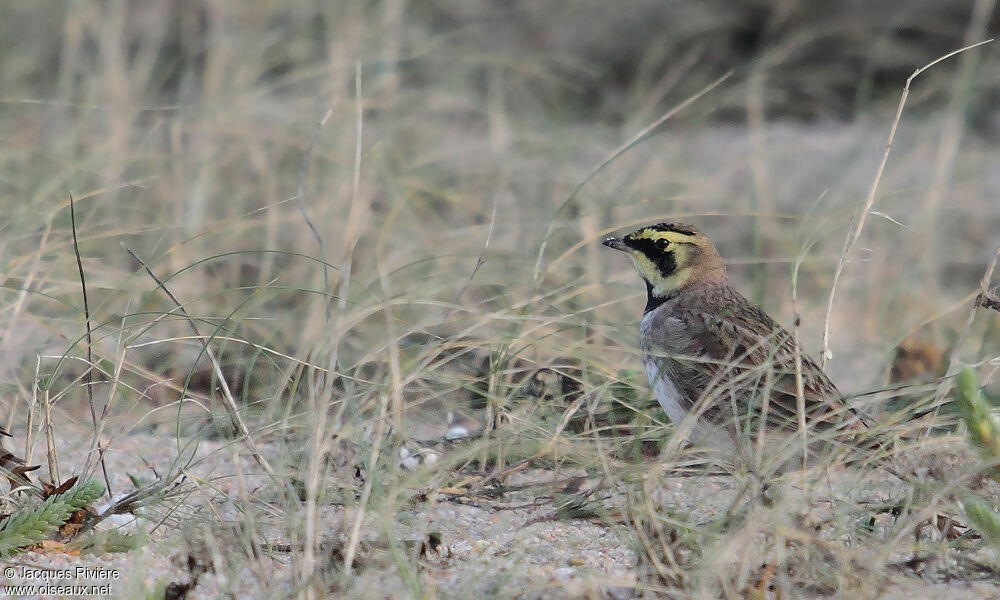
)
(355, 218)
(357, 215)
(50, 438)
(859, 222)
(96, 444)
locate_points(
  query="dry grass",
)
(374, 222)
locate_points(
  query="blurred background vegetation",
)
(367, 187)
(585, 60)
(187, 129)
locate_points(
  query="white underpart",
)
(665, 391)
(671, 400)
(697, 432)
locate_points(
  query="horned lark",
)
(716, 362)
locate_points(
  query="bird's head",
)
(670, 256)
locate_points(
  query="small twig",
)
(230, 401)
(989, 300)
(800, 392)
(855, 232)
(50, 439)
(90, 349)
(29, 438)
(499, 474)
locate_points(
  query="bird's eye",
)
(661, 244)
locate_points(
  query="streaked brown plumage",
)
(707, 348)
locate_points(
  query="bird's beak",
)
(616, 243)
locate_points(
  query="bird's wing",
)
(744, 355)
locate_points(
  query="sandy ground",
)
(507, 546)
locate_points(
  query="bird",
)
(712, 354)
